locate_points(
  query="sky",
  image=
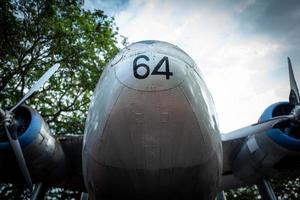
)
(241, 47)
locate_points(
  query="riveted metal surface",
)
(152, 130)
(152, 136)
(105, 96)
(203, 106)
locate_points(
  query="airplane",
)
(151, 133)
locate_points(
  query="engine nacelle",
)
(270, 153)
(43, 153)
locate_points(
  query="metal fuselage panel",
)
(152, 135)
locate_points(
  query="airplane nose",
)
(147, 69)
(149, 130)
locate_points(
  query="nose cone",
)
(151, 66)
(148, 133)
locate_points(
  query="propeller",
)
(255, 128)
(275, 122)
(294, 94)
(37, 85)
(8, 121)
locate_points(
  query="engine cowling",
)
(270, 153)
(288, 138)
(43, 153)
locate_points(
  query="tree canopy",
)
(34, 35)
(284, 189)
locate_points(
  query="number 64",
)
(155, 71)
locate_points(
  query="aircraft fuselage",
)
(151, 131)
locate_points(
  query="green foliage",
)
(10, 191)
(247, 193)
(284, 189)
(287, 188)
(34, 35)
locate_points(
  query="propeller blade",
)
(37, 85)
(2, 115)
(255, 128)
(19, 156)
(294, 94)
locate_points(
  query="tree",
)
(288, 188)
(36, 34)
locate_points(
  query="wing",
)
(269, 148)
(267, 154)
(72, 148)
(30, 154)
(55, 162)
(230, 150)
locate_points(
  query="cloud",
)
(273, 18)
(240, 52)
(110, 7)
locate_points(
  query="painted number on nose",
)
(156, 70)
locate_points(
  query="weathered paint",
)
(153, 137)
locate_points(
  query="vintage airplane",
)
(151, 133)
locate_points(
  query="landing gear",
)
(221, 196)
(265, 190)
(39, 191)
(84, 196)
